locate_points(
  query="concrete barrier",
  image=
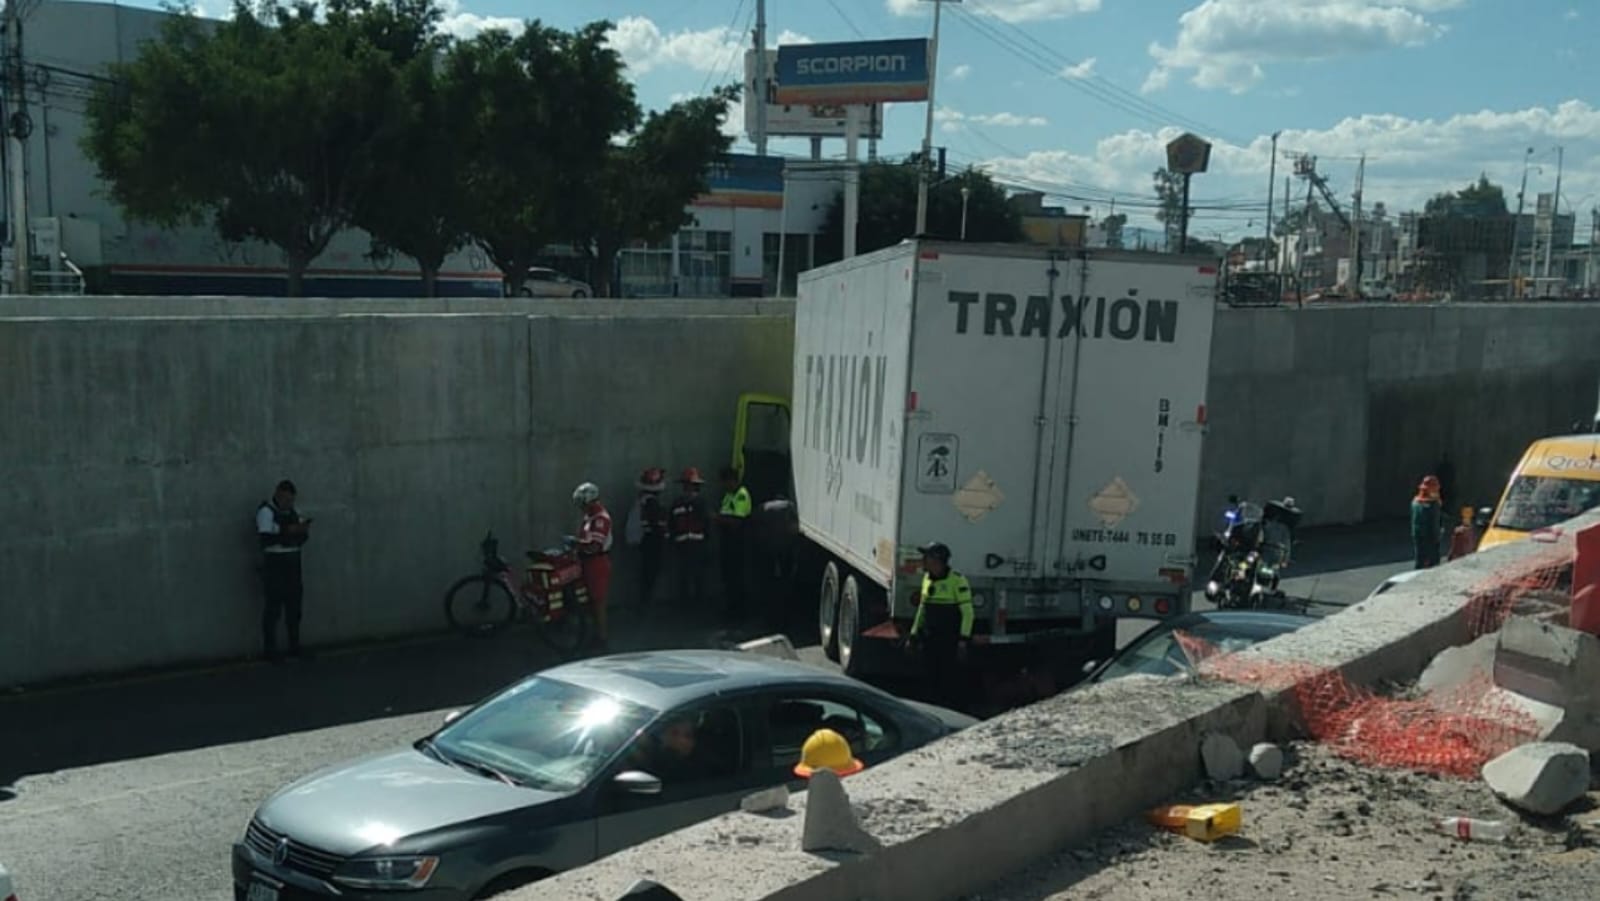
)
(962, 813)
(139, 447)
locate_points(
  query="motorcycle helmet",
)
(653, 479)
(586, 494)
(691, 476)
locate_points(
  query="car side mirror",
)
(452, 716)
(637, 782)
(1482, 517)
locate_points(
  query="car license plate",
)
(1038, 601)
(260, 891)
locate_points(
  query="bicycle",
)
(551, 595)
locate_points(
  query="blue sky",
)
(1077, 97)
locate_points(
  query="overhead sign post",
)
(1187, 154)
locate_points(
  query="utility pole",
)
(1355, 230)
(1272, 182)
(18, 127)
(1555, 217)
(1516, 230)
(761, 78)
(927, 128)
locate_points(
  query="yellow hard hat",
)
(827, 750)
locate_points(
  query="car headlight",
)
(387, 872)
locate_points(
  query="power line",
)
(738, 45)
(849, 24)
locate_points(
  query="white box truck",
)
(1040, 413)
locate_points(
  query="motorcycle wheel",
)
(479, 606)
(566, 632)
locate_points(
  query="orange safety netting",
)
(1451, 731)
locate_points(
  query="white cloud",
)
(1013, 11)
(952, 120)
(1409, 160)
(1572, 15)
(463, 24)
(1225, 43)
(959, 73)
(1082, 69)
(644, 46)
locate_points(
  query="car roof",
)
(1256, 618)
(1581, 447)
(667, 679)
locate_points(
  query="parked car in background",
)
(1159, 653)
(561, 768)
(8, 892)
(542, 282)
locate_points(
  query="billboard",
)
(818, 120)
(853, 72)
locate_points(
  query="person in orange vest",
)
(594, 550)
(1426, 524)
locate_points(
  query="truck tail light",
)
(1175, 576)
(1200, 414)
(911, 402)
(1163, 606)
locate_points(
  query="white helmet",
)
(586, 494)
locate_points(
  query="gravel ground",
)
(1331, 829)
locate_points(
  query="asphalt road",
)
(137, 789)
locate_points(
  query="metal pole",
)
(1183, 218)
(783, 227)
(966, 192)
(852, 179)
(927, 128)
(1555, 216)
(1272, 182)
(16, 128)
(1516, 230)
(761, 78)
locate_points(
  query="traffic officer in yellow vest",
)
(733, 522)
(944, 622)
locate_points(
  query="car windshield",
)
(1160, 654)
(543, 733)
(1537, 502)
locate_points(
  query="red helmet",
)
(691, 476)
(653, 478)
(1430, 483)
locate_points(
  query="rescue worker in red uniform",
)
(689, 521)
(648, 531)
(594, 550)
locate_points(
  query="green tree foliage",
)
(1481, 200)
(547, 103)
(1169, 199)
(888, 210)
(265, 125)
(647, 183)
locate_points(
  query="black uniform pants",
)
(650, 552)
(941, 635)
(731, 547)
(280, 580)
(690, 563)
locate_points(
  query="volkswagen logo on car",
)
(280, 853)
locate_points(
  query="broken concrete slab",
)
(831, 824)
(1222, 758)
(1540, 778)
(1552, 673)
(1461, 665)
(1266, 761)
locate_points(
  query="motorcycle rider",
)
(594, 549)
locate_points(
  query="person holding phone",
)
(282, 532)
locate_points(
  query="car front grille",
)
(304, 858)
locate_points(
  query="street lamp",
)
(966, 192)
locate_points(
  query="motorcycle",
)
(1254, 550)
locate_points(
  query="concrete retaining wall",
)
(961, 814)
(138, 448)
(142, 432)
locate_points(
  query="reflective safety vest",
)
(736, 503)
(953, 589)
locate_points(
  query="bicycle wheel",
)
(479, 606)
(565, 631)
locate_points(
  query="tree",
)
(1113, 226)
(545, 105)
(646, 184)
(1169, 197)
(1480, 200)
(888, 210)
(264, 124)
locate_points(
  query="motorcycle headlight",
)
(387, 872)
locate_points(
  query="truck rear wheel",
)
(848, 630)
(828, 610)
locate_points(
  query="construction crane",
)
(1305, 166)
